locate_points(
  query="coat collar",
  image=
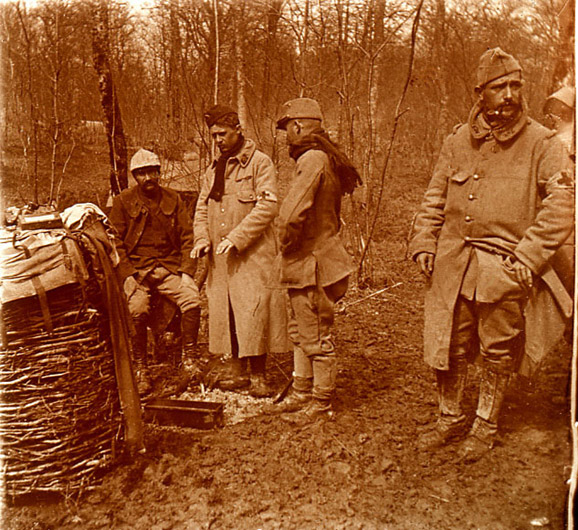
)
(134, 203)
(480, 129)
(244, 155)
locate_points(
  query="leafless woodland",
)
(392, 76)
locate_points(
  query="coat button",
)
(468, 218)
(476, 176)
(222, 224)
(467, 238)
(471, 196)
(222, 210)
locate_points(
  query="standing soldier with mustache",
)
(498, 206)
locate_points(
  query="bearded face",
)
(148, 179)
(502, 98)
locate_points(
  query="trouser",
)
(498, 329)
(311, 319)
(184, 295)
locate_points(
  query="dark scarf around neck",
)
(340, 163)
(218, 188)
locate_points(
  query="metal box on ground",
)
(181, 413)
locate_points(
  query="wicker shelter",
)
(68, 402)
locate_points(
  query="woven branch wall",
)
(59, 408)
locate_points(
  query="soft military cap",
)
(304, 108)
(144, 158)
(496, 63)
(221, 114)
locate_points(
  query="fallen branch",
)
(345, 306)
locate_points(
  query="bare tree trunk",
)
(32, 103)
(440, 58)
(240, 70)
(175, 99)
(563, 69)
(217, 51)
(55, 111)
(109, 100)
(398, 113)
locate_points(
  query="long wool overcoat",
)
(241, 278)
(509, 195)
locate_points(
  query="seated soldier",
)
(156, 236)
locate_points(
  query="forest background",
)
(392, 76)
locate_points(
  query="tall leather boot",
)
(191, 367)
(451, 423)
(190, 322)
(139, 352)
(482, 435)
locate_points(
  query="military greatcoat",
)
(508, 194)
(241, 278)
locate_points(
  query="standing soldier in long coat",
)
(233, 223)
(499, 204)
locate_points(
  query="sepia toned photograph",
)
(288, 265)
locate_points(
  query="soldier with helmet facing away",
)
(156, 236)
(314, 266)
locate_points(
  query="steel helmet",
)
(144, 158)
(566, 95)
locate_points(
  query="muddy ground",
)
(361, 470)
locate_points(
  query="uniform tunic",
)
(157, 239)
(501, 194)
(244, 216)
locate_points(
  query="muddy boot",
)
(316, 410)
(238, 378)
(482, 435)
(446, 430)
(451, 424)
(295, 399)
(259, 387)
(190, 322)
(139, 352)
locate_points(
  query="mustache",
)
(498, 111)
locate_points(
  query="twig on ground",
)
(352, 453)
(438, 498)
(280, 367)
(350, 304)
